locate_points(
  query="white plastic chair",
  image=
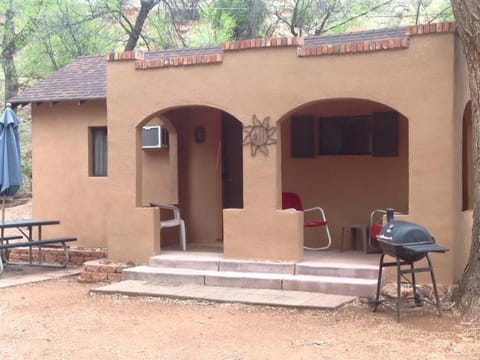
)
(176, 221)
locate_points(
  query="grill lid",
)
(399, 232)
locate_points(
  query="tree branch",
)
(358, 15)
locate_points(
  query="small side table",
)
(354, 228)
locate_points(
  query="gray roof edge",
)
(19, 100)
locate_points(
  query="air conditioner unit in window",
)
(154, 137)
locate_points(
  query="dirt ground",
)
(60, 319)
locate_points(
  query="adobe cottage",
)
(350, 122)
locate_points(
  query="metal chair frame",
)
(322, 216)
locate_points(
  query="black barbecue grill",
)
(407, 243)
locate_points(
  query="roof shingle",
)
(83, 79)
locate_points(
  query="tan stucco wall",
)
(417, 82)
(62, 187)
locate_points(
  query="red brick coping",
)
(345, 43)
(178, 61)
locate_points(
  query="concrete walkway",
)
(14, 275)
(270, 297)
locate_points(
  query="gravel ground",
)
(60, 319)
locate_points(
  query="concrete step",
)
(185, 260)
(362, 271)
(331, 285)
(269, 297)
(216, 262)
(255, 280)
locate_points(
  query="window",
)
(331, 136)
(98, 151)
(373, 134)
(358, 135)
(346, 135)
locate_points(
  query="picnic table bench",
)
(6, 242)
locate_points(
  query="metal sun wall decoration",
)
(259, 135)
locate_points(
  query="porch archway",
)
(201, 171)
(349, 156)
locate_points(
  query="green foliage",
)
(248, 16)
(204, 33)
(315, 17)
(159, 31)
(25, 13)
(406, 12)
(67, 29)
(17, 24)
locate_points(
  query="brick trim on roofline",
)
(178, 61)
(354, 47)
(347, 47)
(442, 27)
(261, 43)
(125, 56)
(377, 45)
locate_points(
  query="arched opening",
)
(467, 159)
(348, 156)
(200, 171)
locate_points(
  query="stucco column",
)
(133, 231)
(261, 230)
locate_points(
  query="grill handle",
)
(390, 215)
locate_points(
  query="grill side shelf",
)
(426, 248)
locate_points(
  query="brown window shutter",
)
(303, 136)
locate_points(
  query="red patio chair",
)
(292, 201)
(376, 224)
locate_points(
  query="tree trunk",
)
(10, 74)
(8, 51)
(145, 7)
(467, 16)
